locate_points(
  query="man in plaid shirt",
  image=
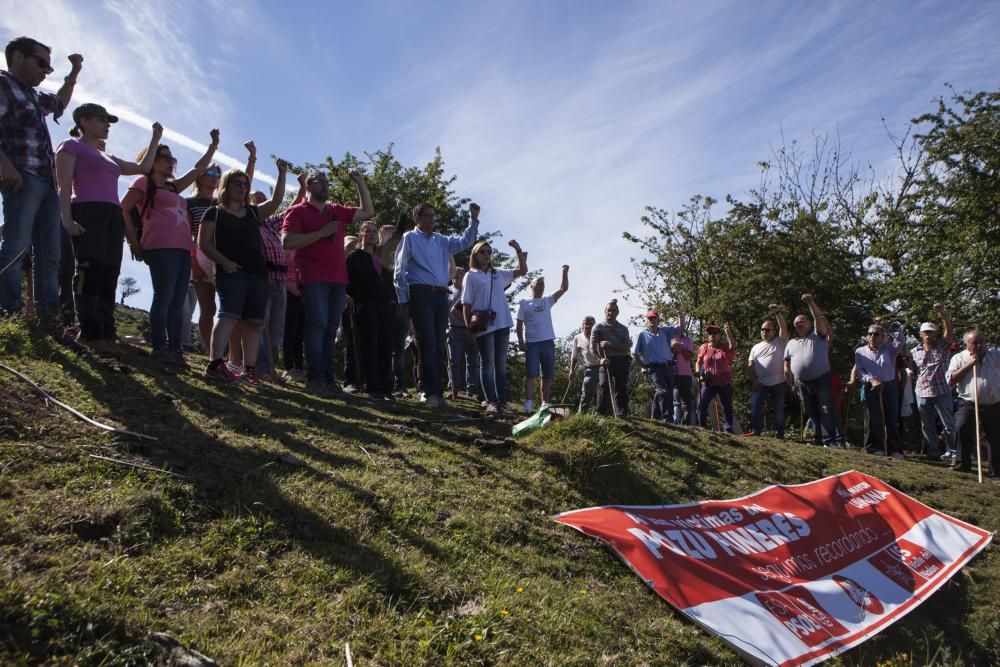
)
(27, 183)
(929, 362)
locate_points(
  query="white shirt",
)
(581, 345)
(476, 292)
(769, 361)
(537, 317)
(987, 376)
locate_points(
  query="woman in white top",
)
(483, 298)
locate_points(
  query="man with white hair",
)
(534, 323)
(985, 392)
(929, 362)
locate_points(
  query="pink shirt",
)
(166, 223)
(95, 175)
(321, 261)
(683, 365)
(718, 361)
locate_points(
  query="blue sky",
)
(562, 119)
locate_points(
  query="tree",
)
(130, 287)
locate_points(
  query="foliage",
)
(130, 287)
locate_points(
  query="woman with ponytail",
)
(87, 180)
(159, 233)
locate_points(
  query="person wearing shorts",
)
(536, 337)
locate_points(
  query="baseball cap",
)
(90, 110)
(653, 313)
(928, 326)
(713, 328)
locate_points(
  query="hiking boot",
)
(221, 373)
(318, 389)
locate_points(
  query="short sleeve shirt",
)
(95, 174)
(477, 291)
(931, 366)
(768, 359)
(537, 317)
(321, 261)
(581, 343)
(653, 347)
(809, 357)
(719, 362)
(166, 223)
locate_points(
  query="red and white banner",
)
(791, 575)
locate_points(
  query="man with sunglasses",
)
(766, 364)
(27, 178)
(876, 363)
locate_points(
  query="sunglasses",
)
(45, 65)
(213, 172)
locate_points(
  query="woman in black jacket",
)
(370, 287)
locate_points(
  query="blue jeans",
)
(493, 364)
(588, 391)
(429, 312)
(725, 394)
(462, 355)
(684, 403)
(757, 400)
(662, 378)
(944, 407)
(883, 418)
(170, 271)
(817, 402)
(324, 306)
(31, 220)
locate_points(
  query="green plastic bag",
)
(546, 413)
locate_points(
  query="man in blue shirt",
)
(421, 278)
(653, 354)
(876, 368)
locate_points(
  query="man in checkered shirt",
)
(27, 183)
(934, 397)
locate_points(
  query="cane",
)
(885, 425)
(13, 262)
(975, 400)
(611, 383)
(718, 418)
(802, 419)
(569, 382)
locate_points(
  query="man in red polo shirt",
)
(315, 230)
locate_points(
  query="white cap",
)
(928, 326)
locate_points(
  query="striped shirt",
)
(931, 366)
(271, 248)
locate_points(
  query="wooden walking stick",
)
(885, 424)
(611, 383)
(569, 382)
(802, 419)
(975, 402)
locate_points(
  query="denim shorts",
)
(242, 295)
(542, 353)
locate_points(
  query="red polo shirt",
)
(321, 261)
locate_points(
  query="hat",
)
(713, 328)
(90, 110)
(928, 326)
(653, 313)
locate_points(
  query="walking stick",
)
(569, 382)
(975, 401)
(611, 383)
(718, 419)
(802, 419)
(13, 262)
(885, 425)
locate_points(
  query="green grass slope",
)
(291, 526)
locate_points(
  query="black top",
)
(238, 239)
(365, 283)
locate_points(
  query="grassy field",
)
(292, 525)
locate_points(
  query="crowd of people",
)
(286, 284)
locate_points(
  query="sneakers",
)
(492, 409)
(376, 396)
(221, 373)
(528, 406)
(350, 389)
(505, 409)
(897, 456)
(250, 378)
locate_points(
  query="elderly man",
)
(27, 179)
(653, 351)
(929, 361)
(986, 392)
(807, 371)
(766, 364)
(876, 362)
(610, 343)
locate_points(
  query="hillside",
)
(288, 526)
